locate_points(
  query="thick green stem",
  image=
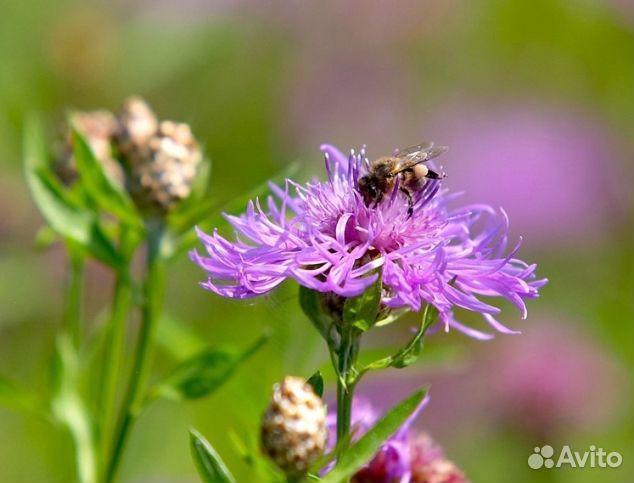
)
(344, 412)
(115, 347)
(152, 303)
(346, 381)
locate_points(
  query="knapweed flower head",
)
(324, 235)
(163, 157)
(293, 431)
(406, 457)
(155, 161)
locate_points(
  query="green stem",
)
(135, 395)
(113, 357)
(73, 298)
(346, 381)
(68, 404)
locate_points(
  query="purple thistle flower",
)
(323, 235)
(405, 457)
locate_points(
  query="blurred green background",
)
(534, 99)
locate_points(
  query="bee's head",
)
(368, 187)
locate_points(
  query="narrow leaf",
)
(316, 381)
(362, 311)
(393, 316)
(204, 373)
(410, 353)
(100, 247)
(311, 306)
(208, 462)
(98, 184)
(363, 450)
(62, 216)
(58, 206)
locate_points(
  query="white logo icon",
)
(543, 457)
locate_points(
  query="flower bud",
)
(332, 305)
(294, 430)
(164, 175)
(98, 128)
(137, 124)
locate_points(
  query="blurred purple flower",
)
(554, 170)
(550, 379)
(429, 464)
(327, 239)
(405, 457)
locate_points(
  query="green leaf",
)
(362, 311)
(60, 209)
(316, 381)
(393, 316)
(436, 356)
(410, 353)
(208, 462)
(68, 220)
(311, 306)
(100, 247)
(363, 450)
(204, 373)
(98, 184)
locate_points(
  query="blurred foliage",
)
(233, 72)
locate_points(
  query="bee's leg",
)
(433, 175)
(378, 200)
(410, 202)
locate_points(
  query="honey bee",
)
(407, 165)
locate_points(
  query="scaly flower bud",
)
(137, 124)
(294, 430)
(165, 174)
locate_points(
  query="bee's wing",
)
(414, 149)
(420, 153)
